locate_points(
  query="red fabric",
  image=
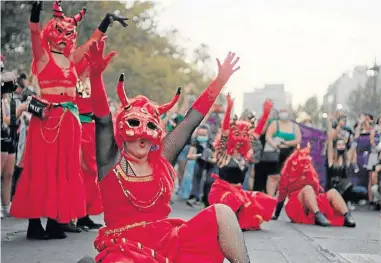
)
(263, 120)
(54, 76)
(51, 184)
(226, 121)
(90, 170)
(252, 208)
(296, 212)
(205, 101)
(160, 237)
(99, 97)
(296, 173)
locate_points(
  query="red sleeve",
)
(226, 122)
(99, 97)
(206, 100)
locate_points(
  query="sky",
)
(304, 44)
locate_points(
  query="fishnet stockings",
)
(230, 236)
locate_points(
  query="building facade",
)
(253, 101)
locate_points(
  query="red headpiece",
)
(298, 162)
(61, 29)
(239, 138)
(140, 118)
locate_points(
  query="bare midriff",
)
(71, 92)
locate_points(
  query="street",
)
(279, 242)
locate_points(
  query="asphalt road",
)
(279, 242)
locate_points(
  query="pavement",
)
(279, 242)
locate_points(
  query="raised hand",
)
(267, 106)
(227, 68)
(229, 101)
(116, 17)
(97, 61)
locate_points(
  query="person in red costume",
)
(235, 147)
(136, 178)
(51, 184)
(308, 204)
(88, 161)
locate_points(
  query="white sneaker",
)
(2, 216)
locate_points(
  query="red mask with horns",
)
(60, 31)
(140, 118)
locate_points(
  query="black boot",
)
(86, 222)
(35, 230)
(55, 230)
(71, 228)
(349, 220)
(321, 220)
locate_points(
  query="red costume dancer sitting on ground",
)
(88, 161)
(233, 150)
(137, 178)
(51, 184)
(308, 204)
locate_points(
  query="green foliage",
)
(312, 108)
(153, 65)
(366, 99)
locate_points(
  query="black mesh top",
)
(107, 151)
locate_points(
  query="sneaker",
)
(356, 168)
(192, 202)
(5, 209)
(2, 216)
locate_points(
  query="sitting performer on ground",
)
(233, 155)
(308, 204)
(136, 179)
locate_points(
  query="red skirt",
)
(90, 170)
(162, 241)
(252, 208)
(297, 213)
(51, 184)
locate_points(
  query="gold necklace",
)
(135, 201)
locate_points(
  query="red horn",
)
(166, 107)
(121, 93)
(57, 9)
(78, 17)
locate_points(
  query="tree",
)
(312, 108)
(366, 99)
(153, 64)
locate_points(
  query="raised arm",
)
(79, 53)
(40, 58)
(176, 140)
(267, 107)
(106, 147)
(256, 144)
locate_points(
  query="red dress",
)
(88, 159)
(51, 184)
(138, 229)
(252, 208)
(290, 185)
